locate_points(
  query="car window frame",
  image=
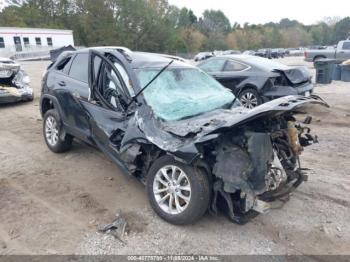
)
(67, 67)
(247, 67)
(102, 102)
(71, 64)
(211, 60)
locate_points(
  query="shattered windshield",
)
(182, 92)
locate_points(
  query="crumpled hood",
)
(296, 75)
(171, 136)
(221, 118)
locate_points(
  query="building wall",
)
(59, 38)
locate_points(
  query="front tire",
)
(53, 133)
(250, 98)
(178, 193)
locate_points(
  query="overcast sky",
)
(263, 11)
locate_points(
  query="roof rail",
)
(119, 48)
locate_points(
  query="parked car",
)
(296, 52)
(202, 56)
(14, 83)
(341, 53)
(261, 53)
(266, 53)
(231, 52)
(249, 52)
(275, 53)
(256, 80)
(281, 52)
(177, 130)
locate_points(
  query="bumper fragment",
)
(281, 91)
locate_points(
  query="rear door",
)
(233, 74)
(213, 67)
(70, 78)
(228, 72)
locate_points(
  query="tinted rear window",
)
(79, 69)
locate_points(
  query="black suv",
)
(177, 130)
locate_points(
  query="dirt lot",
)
(51, 204)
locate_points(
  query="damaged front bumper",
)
(13, 94)
(251, 156)
(14, 83)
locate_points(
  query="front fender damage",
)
(250, 156)
(242, 171)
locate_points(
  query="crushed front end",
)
(250, 156)
(256, 164)
(14, 83)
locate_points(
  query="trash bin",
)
(345, 73)
(336, 72)
(324, 70)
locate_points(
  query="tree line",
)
(155, 25)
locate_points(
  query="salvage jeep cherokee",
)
(176, 129)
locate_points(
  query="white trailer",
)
(14, 40)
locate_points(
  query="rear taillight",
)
(305, 54)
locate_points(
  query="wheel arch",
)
(247, 86)
(48, 102)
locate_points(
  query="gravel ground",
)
(52, 204)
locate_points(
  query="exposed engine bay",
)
(14, 83)
(259, 165)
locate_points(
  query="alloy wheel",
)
(172, 189)
(51, 130)
(249, 100)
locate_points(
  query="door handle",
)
(62, 83)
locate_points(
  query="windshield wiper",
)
(148, 84)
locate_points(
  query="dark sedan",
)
(255, 80)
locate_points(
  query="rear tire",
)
(250, 98)
(177, 201)
(53, 132)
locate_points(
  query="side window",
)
(64, 65)
(234, 66)
(125, 77)
(346, 46)
(26, 41)
(38, 41)
(79, 69)
(49, 41)
(2, 43)
(213, 65)
(97, 64)
(110, 87)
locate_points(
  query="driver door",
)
(107, 105)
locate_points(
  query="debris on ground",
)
(116, 228)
